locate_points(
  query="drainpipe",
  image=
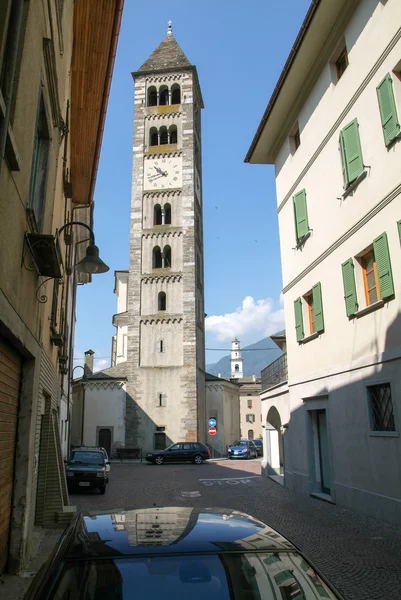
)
(12, 43)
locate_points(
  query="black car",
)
(183, 451)
(87, 469)
(259, 446)
(176, 553)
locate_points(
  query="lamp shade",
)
(92, 263)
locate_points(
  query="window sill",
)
(368, 309)
(390, 434)
(351, 188)
(310, 338)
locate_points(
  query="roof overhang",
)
(325, 21)
(95, 34)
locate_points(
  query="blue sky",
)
(239, 49)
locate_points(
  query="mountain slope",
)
(255, 356)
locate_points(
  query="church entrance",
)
(105, 439)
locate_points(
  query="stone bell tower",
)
(166, 357)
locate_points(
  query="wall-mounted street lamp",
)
(46, 255)
(91, 263)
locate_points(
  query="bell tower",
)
(166, 356)
(237, 368)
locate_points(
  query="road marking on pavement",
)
(190, 494)
(228, 480)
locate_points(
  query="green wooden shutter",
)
(318, 307)
(351, 152)
(344, 160)
(399, 229)
(301, 214)
(383, 266)
(350, 297)
(388, 109)
(299, 324)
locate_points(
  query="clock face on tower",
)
(163, 173)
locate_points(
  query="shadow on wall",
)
(138, 426)
(342, 444)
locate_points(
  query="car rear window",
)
(87, 457)
(216, 577)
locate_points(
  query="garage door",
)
(10, 376)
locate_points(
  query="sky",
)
(239, 49)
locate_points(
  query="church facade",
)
(159, 341)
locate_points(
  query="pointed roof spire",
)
(168, 55)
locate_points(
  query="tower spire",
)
(170, 27)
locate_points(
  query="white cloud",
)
(260, 317)
(100, 363)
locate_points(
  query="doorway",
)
(104, 437)
(319, 452)
(274, 443)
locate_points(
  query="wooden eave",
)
(96, 30)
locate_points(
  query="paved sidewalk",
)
(14, 587)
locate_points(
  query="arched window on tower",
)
(167, 214)
(236, 368)
(161, 301)
(163, 95)
(175, 94)
(152, 96)
(167, 257)
(163, 135)
(157, 215)
(157, 258)
(153, 137)
(173, 134)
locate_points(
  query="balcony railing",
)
(275, 373)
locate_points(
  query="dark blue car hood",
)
(171, 530)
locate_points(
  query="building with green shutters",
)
(332, 130)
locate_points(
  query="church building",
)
(159, 341)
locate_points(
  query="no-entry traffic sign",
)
(212, 430)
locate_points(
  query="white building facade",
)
(332, 130)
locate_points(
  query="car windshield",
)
(240, 443)
(84, 457)
(257, 442)
(215, 577)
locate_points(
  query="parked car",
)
(183, 451)
(259, 446)
(106, 456)
(172, 553)
(242, 449)
(87, 469)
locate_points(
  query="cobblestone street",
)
(362, 557)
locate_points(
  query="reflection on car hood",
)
(171, 530)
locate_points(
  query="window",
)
(295, 138)
(250, 434)
(309, 307)
(167, 214)
(371, 284)
(163, 135)
(250, 403)
(351, 153)
(311, 312)
(163, 96)
(152, 96)
(161, 346)
(173, 134)
(175, 94)
(250, 418)
(381, 407)
(161, 301)
(342, 62)
(167, 257)
(236, 368)
(153, 137)
(161, 400)
(301, 215)
(53, 318)
(157, 215)
(157, 258)
(388, 109)
(39, 165)
(374, 276)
